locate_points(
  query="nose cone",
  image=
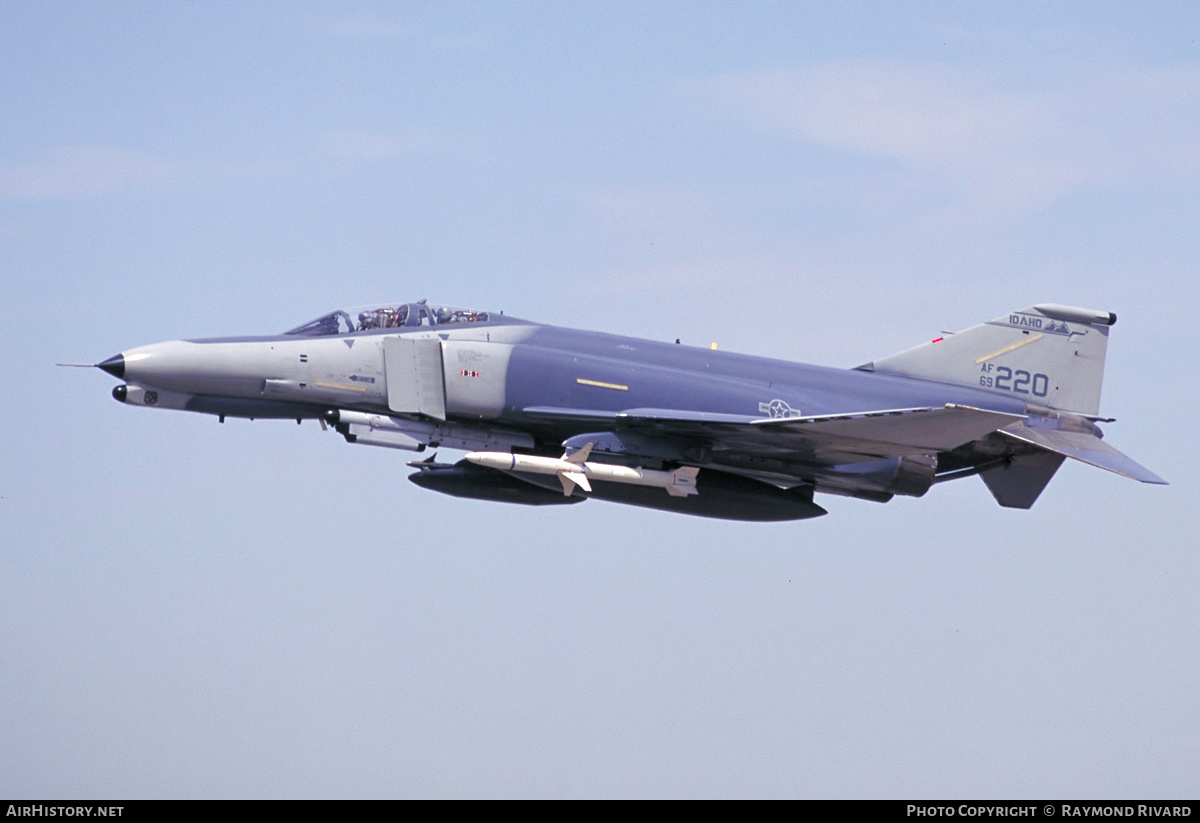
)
(114, 365)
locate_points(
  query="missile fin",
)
(580, 457)
(683, 481)
(575, 479)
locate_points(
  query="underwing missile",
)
(575, 470)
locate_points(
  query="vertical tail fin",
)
(1047, 354)
(1018, 484)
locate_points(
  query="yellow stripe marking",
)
(600, 385)
(1009, 348)
(341, 386)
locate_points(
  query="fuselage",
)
(496, 372)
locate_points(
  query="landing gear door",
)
(414, 376)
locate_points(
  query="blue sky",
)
(257, 609)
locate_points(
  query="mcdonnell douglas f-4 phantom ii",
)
(552, 415)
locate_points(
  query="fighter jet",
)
(550, 415)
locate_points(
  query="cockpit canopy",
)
(387, 316)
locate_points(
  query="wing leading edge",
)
(826, 438)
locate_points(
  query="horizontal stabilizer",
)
(1019, 482)
(1086, 448)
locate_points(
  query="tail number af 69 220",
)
(1020, 381)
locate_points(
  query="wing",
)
(830, 440)
(822, 440)
(893, 433)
